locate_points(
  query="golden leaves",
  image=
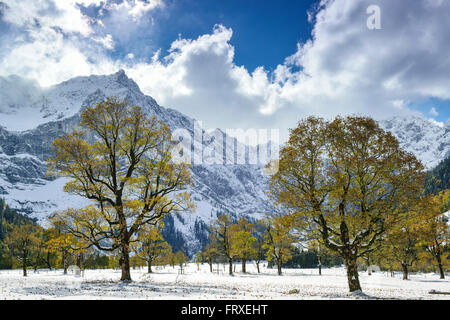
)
(122, 162)
(349, 175)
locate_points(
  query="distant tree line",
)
(272, 238)
(26, 245)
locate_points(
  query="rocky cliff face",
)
(32, 117)
(428, 141)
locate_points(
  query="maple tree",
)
(122, 161)
(350, 178)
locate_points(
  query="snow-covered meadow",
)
(198, 283)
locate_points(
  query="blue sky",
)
(442, 108)
(258, 59)
(256, 23)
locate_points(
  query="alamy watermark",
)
(374, 19)
(234, 146)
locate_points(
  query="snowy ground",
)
(166, 283)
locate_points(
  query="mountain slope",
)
(239, 189)
(428, 141)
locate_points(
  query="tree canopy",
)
(122, 161)
(350, 178)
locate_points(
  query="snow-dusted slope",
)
(24, 105)
(25, 144)
(427, 140)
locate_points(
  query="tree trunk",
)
(243, 266)
(24, 263)
(80, 261)
(279, 264)
(352, 273)
(210, 266)
(149, 266)
(230, 263)
(64, 258)
(47, 261)
(125, 262)
(319, 260)
(441, 269)
(257, 266)
(36, 261)
(405, 271)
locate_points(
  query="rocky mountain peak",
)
(427, 140)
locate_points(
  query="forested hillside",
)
(438, 179)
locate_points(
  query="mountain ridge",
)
(239, 189)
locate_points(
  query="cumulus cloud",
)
(64, 15)
(344, 68)
(107, 41)
(54, 40)
(370, 69)
(135, 8)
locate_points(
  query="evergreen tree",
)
(438, 179)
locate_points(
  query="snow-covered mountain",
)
(32, 117)
(428, 141)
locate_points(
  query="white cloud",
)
(107, 41)
(51, 58)
(136, 8)
(56, 41)
(345, 68)
(63, 14)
